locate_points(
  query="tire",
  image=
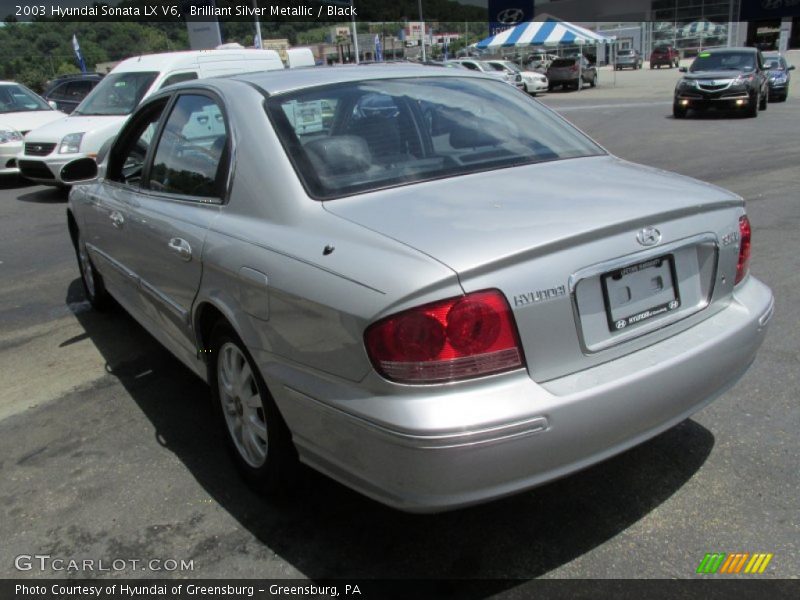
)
(593, 82)
(679, 112)
(93, 286)
(550, 87)
(752, 108)
(763, 104)
(257, 436)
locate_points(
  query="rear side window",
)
(189, 156)
(59, 92)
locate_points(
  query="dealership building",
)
(686, 24)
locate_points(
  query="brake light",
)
(574, 67)
(743, 265)
(457, 338)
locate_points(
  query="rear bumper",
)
(569, 424)
(537, 85)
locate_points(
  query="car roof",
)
(729, 50)
(276, 82)
(169, 60)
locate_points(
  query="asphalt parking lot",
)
(108, 449)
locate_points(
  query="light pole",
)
(355, 33)
(419, 3)
(259, 42)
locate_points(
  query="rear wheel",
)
(593, 82)
(258, 438)
(93, 285)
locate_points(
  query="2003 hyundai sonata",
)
(420, 282)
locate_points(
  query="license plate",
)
(640, 292)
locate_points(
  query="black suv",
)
(727, 78)
(67, 91)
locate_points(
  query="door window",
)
(189, 156)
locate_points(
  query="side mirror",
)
(683, 70)
(80, 170)
(52, 105)
(790, 68)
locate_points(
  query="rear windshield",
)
(117, 94)
(724, 61)
(626, 52)
(774, 63)
(661, 49)
(563, 62)
(361, 136)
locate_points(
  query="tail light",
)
(574, 67)
(743, 265)
(457, 338)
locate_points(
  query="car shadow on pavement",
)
(325, 530)
(48, 195)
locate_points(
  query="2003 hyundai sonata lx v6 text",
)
(409, 290)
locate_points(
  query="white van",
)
(101, 114)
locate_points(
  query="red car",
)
(664, 55)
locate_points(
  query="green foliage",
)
(38, 51)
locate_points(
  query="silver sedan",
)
(418, 281)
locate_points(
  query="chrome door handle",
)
(182, 247)
(117, 220)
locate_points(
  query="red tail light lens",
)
(574, 67)
(743, 265)
(453, 339)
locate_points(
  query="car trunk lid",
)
(546, 235)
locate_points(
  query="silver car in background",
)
(389, 275)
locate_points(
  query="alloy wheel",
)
(242, 406)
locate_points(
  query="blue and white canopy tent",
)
(547, 32)
(550, 32)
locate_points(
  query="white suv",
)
(101, 114)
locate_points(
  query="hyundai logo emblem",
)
(510, 16)
(649, 236)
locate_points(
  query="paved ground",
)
(108, 450)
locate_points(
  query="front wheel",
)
(258, 438)
(678, 111)
(752, 108)
(763, 104)
(93, 286)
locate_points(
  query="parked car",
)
(539, 61)
(530, 81)
(665, 56)
(724, 78)
(20, 111)
(569, 72)
(387, 300)
(779, 76)
(69, 90)
(481, 66)
(100, 115)
(628, 59)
